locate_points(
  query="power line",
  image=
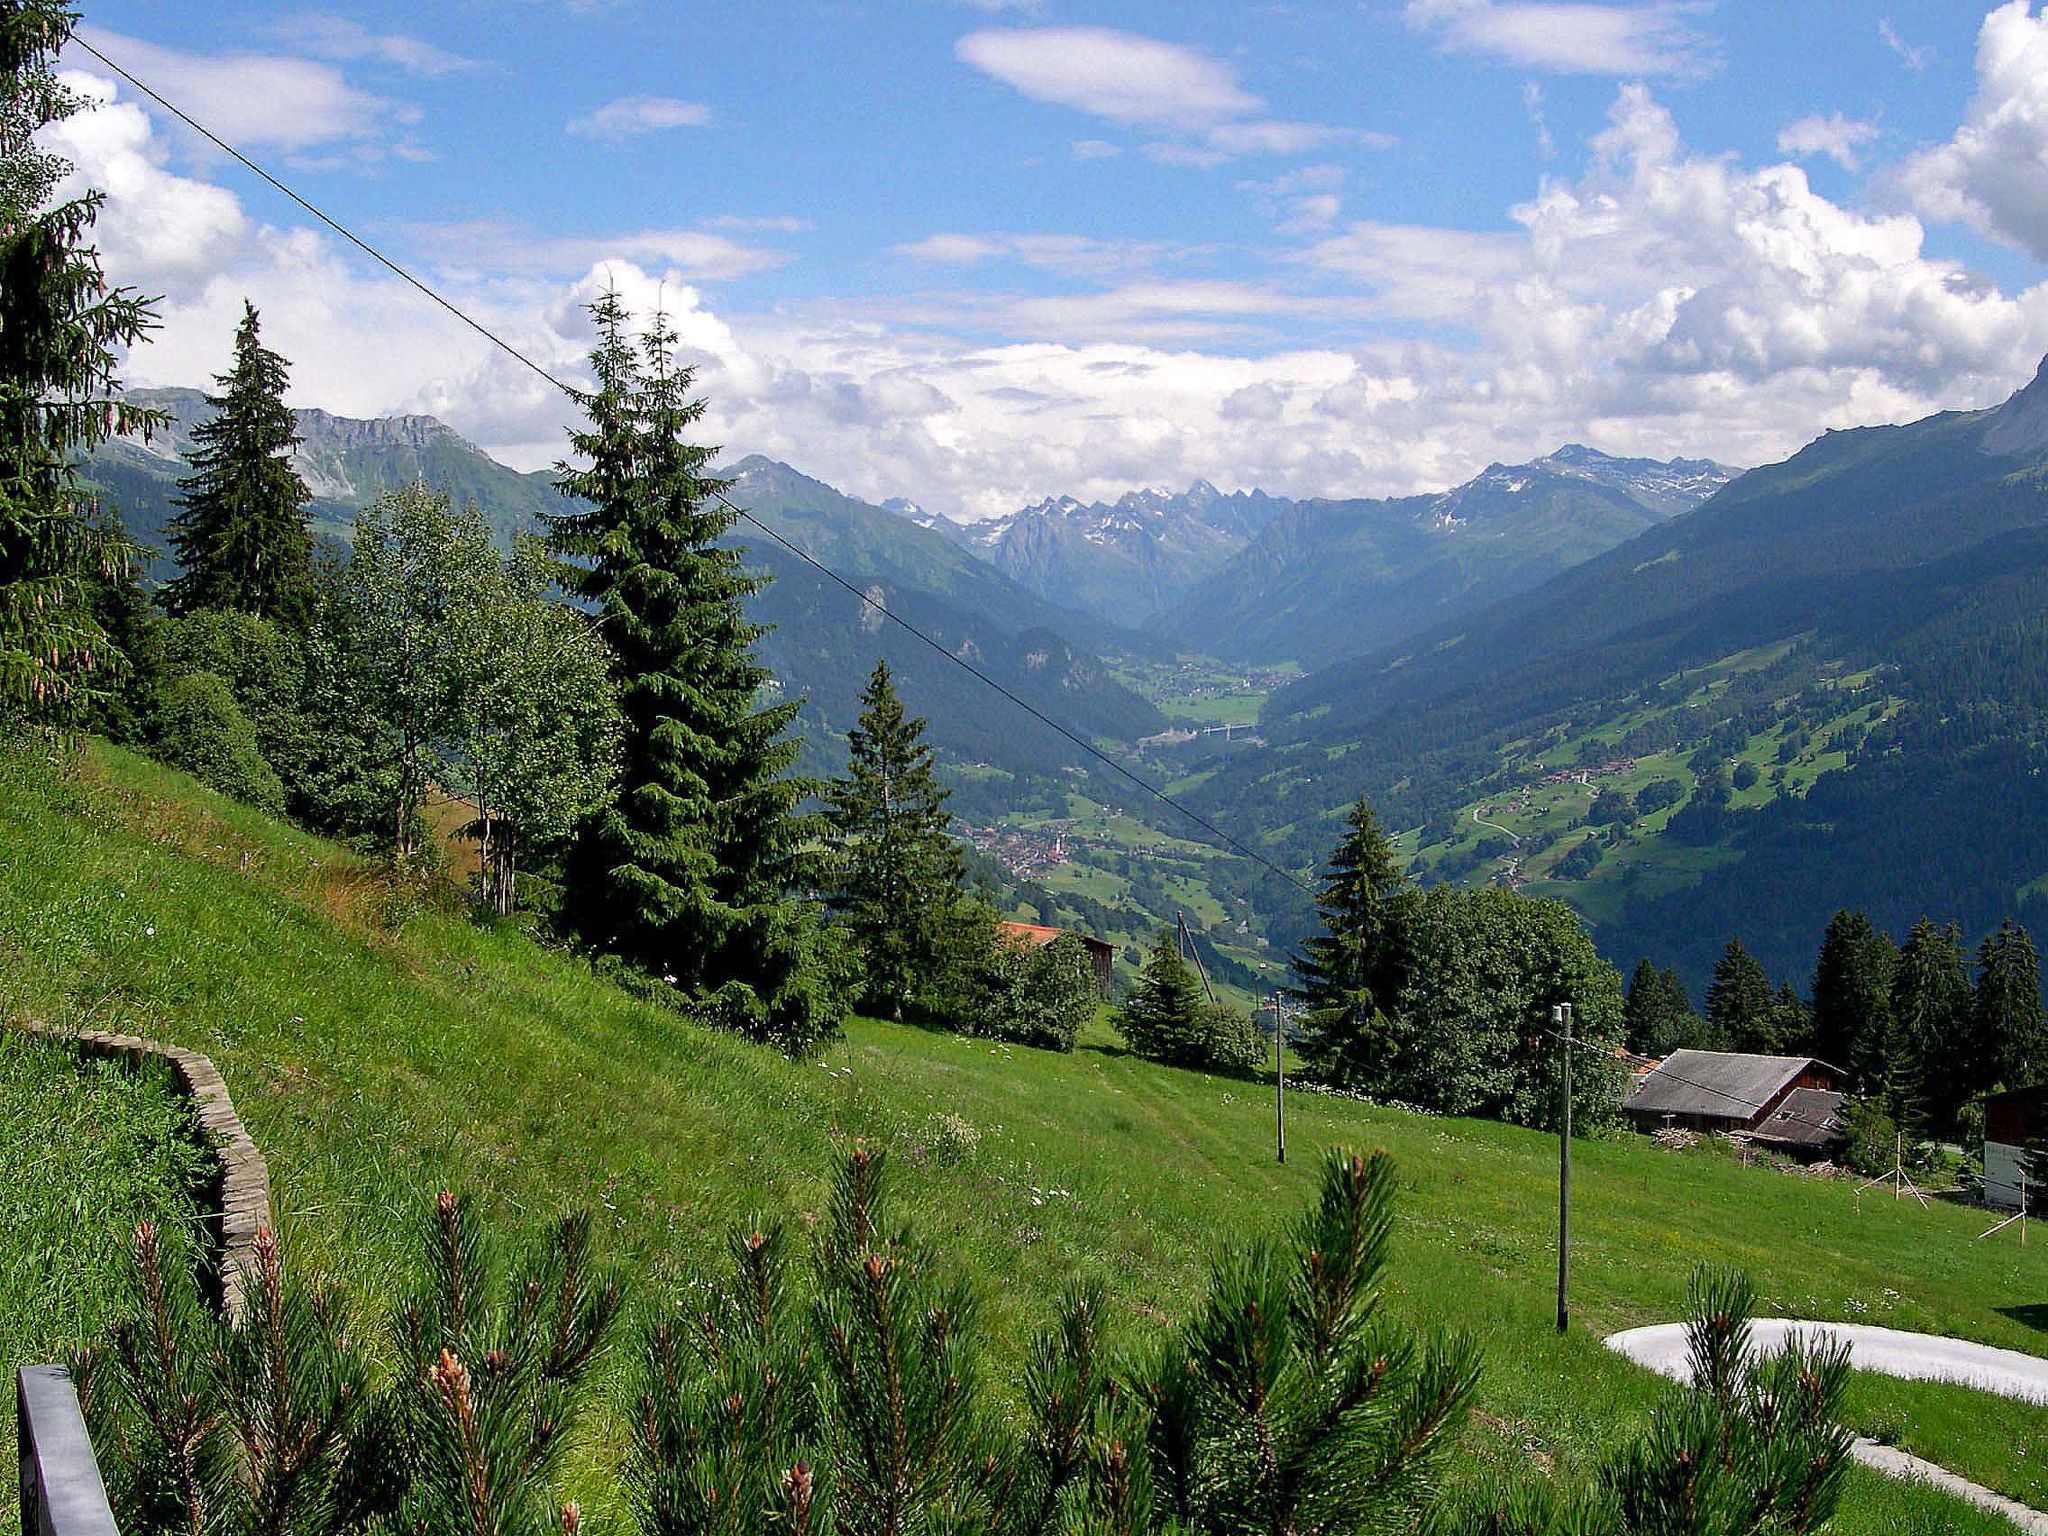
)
(795, 549)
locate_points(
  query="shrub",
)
(201, 729)
(1030, 994)
(1168, 1019)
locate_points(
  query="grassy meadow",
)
(380, 1047)
(88, 1150)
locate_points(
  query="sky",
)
(980, 252)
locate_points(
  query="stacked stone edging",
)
(242, 1205)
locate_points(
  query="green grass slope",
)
(87, 1150)
(379, 1049)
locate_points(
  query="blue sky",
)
(978, 253)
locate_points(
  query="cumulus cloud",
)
(1993, 174)
(631, 116)
(1837, 137)
(1569, 38)
(1145, 82)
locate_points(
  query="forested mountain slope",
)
(823, 641)
(1864, 625)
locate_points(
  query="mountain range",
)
(1258, 579)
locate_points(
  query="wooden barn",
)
(1791, 1102)
(1101, 954)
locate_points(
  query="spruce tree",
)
(1931, 1010)
(1738, 999)
(1161, 1019)
(688, 873)
(897, 875)
(1659, 1017)
(61, 332)
(240, 533)
(1852, 1016)
(1347, 975)
(2010, 1029)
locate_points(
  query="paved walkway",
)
(1888, 1352)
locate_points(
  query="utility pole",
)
(1189, 952)
(1561, 1016)
(1279, 1080)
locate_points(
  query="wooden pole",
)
(1561, 1016)
(1279, 1081)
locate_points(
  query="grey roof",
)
(1725, 1084)
(1809, 1117)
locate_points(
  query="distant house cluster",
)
(1792, 1104)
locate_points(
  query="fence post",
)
(61, 1491)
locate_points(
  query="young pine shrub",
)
(1289, 1406)
(275, 1427)
(488, 1378)
(205, 1428)
(1751, 1446)
(859, 1411)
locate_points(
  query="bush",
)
(1871, 1138)
(201, 729)
(1168, 1019)
(1580, 861)
(1029, 994)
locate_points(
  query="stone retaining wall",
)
(240, 1206)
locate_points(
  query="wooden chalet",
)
(1792, 1103)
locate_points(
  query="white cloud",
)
(1915, 59)
(1532, 103)
(1569, 38)
(1993, 174)
(1095, 149)
(630, 116)
(1121, 76)
(1835, 136)
(487, 246)
(1080, 256)
(326, 36)
(1144, 82)
(253, 100)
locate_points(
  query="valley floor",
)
(380, 1047)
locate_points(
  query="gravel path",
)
(1888, 1352)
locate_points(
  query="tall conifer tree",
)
(689, 872)
(896, 870)
(1852, 1004)
(1931, 1010)
(1738, 1000)
(1347, 975)
(61, 330)
(2010, 1027)
(240, 532)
